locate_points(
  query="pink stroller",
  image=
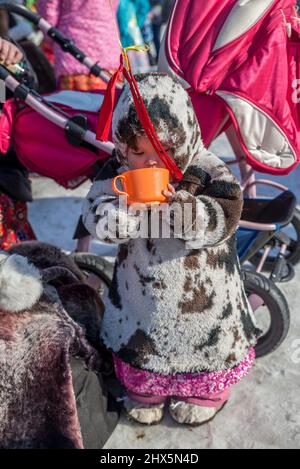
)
(239, 61)
(65, 121)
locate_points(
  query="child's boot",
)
(149, 411)
(196, 411)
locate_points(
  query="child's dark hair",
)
(129, 128)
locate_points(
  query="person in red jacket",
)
(15, 188)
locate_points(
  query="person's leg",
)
(156, 36)
(97, 410)
(14, 225)
(196, 410)
(84, 244)
(83, 237)
(143, 402)
(148, 410)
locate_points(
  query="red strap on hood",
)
(107, 110)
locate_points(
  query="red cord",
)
(106, 114)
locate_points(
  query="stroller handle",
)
(36, 102)
(22, 11)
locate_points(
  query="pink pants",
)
(204, 389)
(214, 400)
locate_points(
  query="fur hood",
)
(20, 283)
(171, 112)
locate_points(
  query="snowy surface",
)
(264, 411)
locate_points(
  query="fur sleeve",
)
(105, 219)
(213, 211)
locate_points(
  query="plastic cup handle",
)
(114, 185)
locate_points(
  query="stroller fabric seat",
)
(79, 100)
(277, 211)
(244, 239)
(239, 62)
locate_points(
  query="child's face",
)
(144, 156)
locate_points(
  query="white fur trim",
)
(20, 284)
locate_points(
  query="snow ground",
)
(264, 411)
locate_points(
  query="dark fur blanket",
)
(37, 401)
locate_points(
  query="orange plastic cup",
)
(143, 186)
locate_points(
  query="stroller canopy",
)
(239, 61)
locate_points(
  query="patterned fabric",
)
(177, 304)
(90, 25)
(14, 225)
(81, 83)
(181, 385)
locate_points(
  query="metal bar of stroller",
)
(266, 182)
(257, 226)
(66, 44)
(39, 105)
(21, 11)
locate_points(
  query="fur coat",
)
(176, 305)
(42, 294)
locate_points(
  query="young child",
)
(177, 319)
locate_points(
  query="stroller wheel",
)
(293, 251)
(99, 268)
(271, 310)
(290, 274)
(287, 274)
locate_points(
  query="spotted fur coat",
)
(176, 305)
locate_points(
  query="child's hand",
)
(9, 53)
(169, 193)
